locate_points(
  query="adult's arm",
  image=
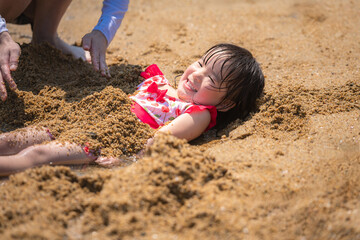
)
(2, 25)
(113, 12)
(98, 40)
(9, 56)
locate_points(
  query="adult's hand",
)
(96, 43)
(9, 56)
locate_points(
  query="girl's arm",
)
(189, 125)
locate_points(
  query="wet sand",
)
(289, 171)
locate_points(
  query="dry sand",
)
(290, 171)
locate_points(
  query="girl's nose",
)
(197, 75)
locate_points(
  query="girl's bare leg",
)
(13, 142)
(53, 153)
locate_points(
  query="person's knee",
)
(36, 155)
(4, 145)
(10, 10)
(7, 145)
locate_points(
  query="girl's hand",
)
(149, 142)
(108, 161)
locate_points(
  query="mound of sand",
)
(75, 103)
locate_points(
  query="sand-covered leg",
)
(52, 153)
(13, 142)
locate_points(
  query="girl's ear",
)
(225, 106)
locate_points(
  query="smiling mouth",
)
(190, 86)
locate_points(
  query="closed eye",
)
(212, 80)
(200, 64)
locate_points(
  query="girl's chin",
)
(182, 96)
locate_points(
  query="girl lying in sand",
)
(218, 88)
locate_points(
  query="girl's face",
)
(200, 83)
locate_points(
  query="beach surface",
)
(288, 171)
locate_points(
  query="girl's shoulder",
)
(199, 108)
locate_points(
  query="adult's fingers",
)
(95, 58)
(86, 42)
(103, 67)
(14, 58)
(5, 71)
(3, 93)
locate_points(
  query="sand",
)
(288, 171)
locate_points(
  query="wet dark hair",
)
(242, 78)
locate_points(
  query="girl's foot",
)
(108, 161)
